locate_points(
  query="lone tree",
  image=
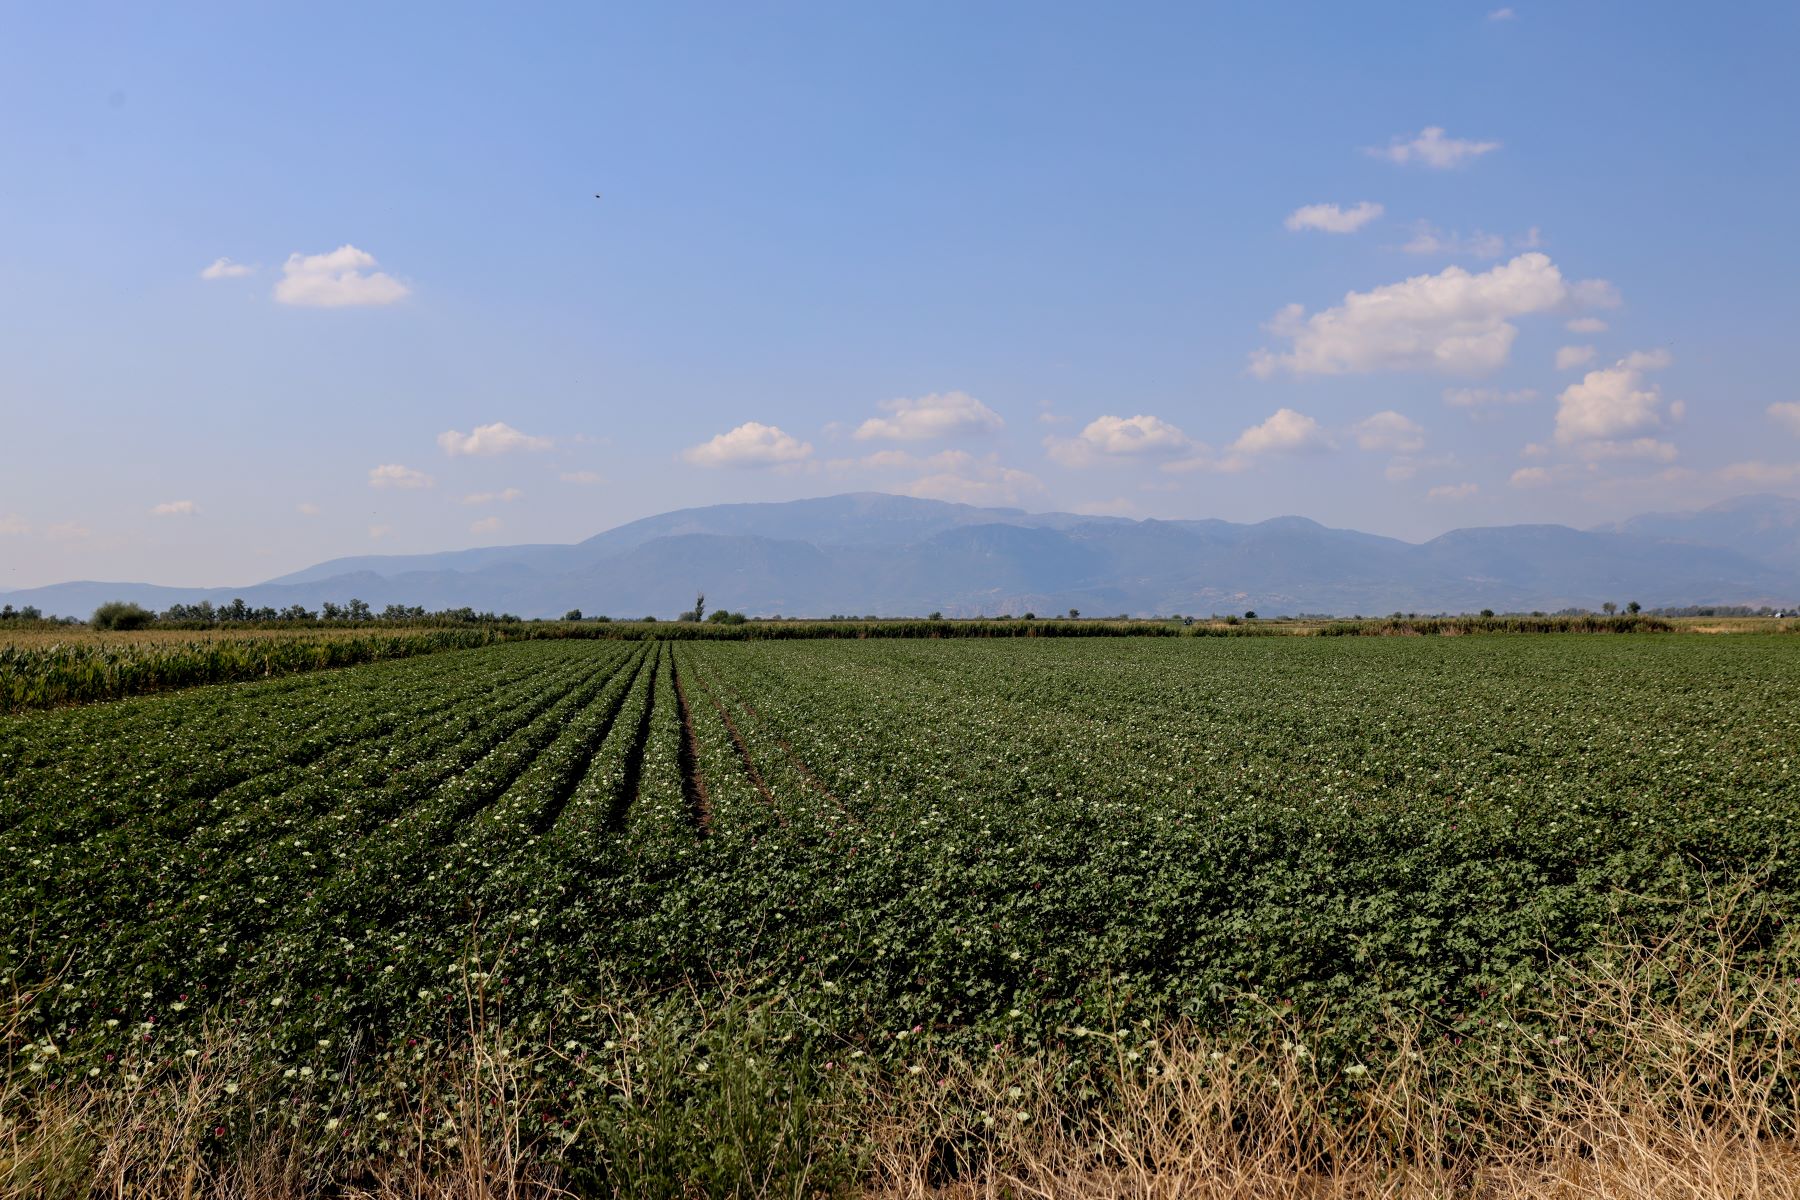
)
(119, 614)
(574, 614)
(1634, 608)
(1074, 614)
(700, 607)
(1609, 608)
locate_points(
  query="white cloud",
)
(307, 509)
(934, 416)
(1429, 239)
(68, 531)
(1611, 401)
(1787, 414)
(485, 525)
(751, 444)
(13, 525)
(1570, 357)
(336, 280)
(1761, 472)
(948, 475)
(1389, 432)
(1534, 450)
(1329, 218)
(1648, 449)
(1595, 293)
(498, 438)
(1432, 149)
(505, 496)
(1479, 400)
(1502, 14)
(175, 508)
(969, 480)
(393, 475)
(1585, 325)
(1283, 433)
(1453, 491)
(224, 268)
(588, 478)
(1526, 477)
(377, 532)
(1120, 437)
(1452, 321)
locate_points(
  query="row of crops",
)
(48, 669)
(979, 847)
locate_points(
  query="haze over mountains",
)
(894, 555)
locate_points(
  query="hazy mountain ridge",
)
(895, 555)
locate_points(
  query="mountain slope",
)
(895, 555)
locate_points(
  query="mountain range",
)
(871, 553)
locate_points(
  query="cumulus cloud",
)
(1286, 432)
(393, 475)
(1429, 239)
(1585, 325)
(1595, 293)
(1758, 472)
(1429, 147)
(1329, 218)
(337, 280)
(1453, 491)
(498, 438)
(1786, 414)
(505, 496)
(935, 416)
(947, 475)
(1570, 357)
(307, 509)
(68, 531)
(1482, 400)
(1528, 477)
(751, 444)
(485, 525)
(1611, 401)
(1109, 437)
(1389, 432)
(1502, 14)
(1453, 321)
(1644, 448)
(13, 525)
(588, 478)
(224, 268)
(965, 479)
(175, 508)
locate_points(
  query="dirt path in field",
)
(627, 794)
(743, 752)
(560, 799)
(687, 759)
(805, 772)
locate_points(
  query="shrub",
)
(121, 614)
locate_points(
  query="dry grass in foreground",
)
(1669, 1073)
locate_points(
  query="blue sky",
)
(280, 284)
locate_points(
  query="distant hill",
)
(895, 555)
(1766, 528)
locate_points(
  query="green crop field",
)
(641, 865)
